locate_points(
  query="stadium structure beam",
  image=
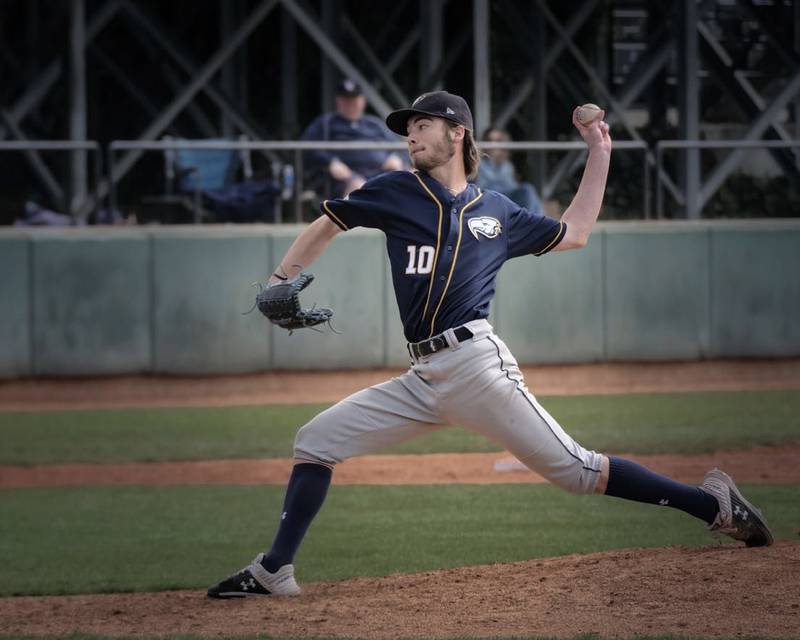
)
(566, 89)
(148, 25)
(689, 104)
(431, 46)
(797, 100)
(462, 39)
(756, 130)
(153, 47)
(290, 126)
(46, 178)
(193, 109)
(744, 93)
(790, 53)
(537, 107)
(77, 102)
(646, 70)
(516, 100)
(606, 94)
(204, 74)
(403, 49)
(372, 59)
(401, 52)
(482, 102)
(616, 113)
(41, 85)
(34, 22)
(649, 65)
(330, 26)
(392, 19)
(790, 57)
(335, 54)
(133, 91)
(228, 17)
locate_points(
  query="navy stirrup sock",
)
(632, 481)
(305, 493)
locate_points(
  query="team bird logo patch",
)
(487, 227)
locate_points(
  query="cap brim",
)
(397, 121)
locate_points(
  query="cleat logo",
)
(742, 513)
(663, 502)
(250, 584)
(283, 516)
(486, 226)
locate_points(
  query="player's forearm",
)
(308, 246)
(584, 209)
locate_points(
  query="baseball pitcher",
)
(446, 241)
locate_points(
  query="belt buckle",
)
(433, 346)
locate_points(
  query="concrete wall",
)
(15, 305)
(170, 300)
(200, 289)
(91, 303)
(755, 291)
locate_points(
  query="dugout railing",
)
(297, 147)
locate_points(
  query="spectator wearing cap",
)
(497, 173)
(350, 169)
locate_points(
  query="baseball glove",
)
(280, 303)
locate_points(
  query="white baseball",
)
(588, 113)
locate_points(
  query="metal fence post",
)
(659, 193)
(298, 173)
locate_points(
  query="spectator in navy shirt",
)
(350, 169)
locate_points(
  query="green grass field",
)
(648, 423)
(103, 539)
(110, 539)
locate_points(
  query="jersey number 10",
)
(419, 262)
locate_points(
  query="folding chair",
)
(191, 173)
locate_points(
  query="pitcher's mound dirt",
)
(722, 591)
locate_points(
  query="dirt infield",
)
(768, 465)
(292, 387)
(722, 591)
(718, 591)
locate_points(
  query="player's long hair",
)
(472, 157)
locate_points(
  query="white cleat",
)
(737, 517)
(255, 580)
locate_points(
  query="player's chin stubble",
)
(439, 153)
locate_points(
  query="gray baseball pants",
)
(476, 384)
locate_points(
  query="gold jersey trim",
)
(333, 216)
(554, 241)
(438, 241)
(455, 257)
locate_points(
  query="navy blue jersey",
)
(332, 126)
(445, 251)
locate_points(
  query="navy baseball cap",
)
(439, 104)
(349, 88)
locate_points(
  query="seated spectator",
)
(496, 173)
(350, 169)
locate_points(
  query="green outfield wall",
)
(172, 300)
